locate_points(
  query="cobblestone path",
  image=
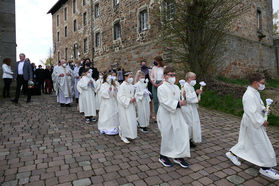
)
(43, 144)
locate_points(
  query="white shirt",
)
(160, 74)
(7, 72)
(20, 68)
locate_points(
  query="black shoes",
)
(165, 161)
(181, 162)
(192, 144)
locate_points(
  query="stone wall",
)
(7, 34)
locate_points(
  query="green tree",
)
(193, 30)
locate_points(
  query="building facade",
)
(123, 32)
(7, 33)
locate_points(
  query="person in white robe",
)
(190, 110)
(108, 121)
(99, 83)
(86, 86)
(126, 107)
(76, 74)
(142, 100)
(253, 144)
(171, 123)
(63, 77)
(114, 78)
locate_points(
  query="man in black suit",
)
(23, 72)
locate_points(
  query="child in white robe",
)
(99, 83)
(143, 100)
(253, 144)
(86, 86)
(171, 123)
(190, 110)
(108, 121)
(127, 112)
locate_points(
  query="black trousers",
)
(21, 82)
(6, 89)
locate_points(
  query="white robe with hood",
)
(253, 144)
(171, 123)
(143, 107)
(127, 111)
(99, 83)
(190, 112)
(87, 100)
(108, 121)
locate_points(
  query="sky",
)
(34, 28)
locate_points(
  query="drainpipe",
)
(91, 29)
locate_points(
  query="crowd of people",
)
(121, 102)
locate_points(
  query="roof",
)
(57, 6)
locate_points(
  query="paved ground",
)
(43, 144)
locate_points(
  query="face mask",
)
(113, 78)
(109, 80)
(193, 82)
(64, 65)
(142, 80)
(262, 87)
(130, 80)
(155, 63)
(101, 77)
(172, 80)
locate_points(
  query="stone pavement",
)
(43, 144)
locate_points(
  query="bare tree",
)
(49, 60)
(193, 30)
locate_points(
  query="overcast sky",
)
(34, 27)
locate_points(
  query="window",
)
(65, 14)
(97, 40)
(66, 31)
(84, 2)
(143, 20)
(169, 10)
(58, 56)
(115, 2)
(58, 36)
(97, 10)
(57, 20)
(84, 19)
(75, 25)
(117, 30)
(74, 6)
(66, 53)
(75, 51)
(85, 46)
(259, 20)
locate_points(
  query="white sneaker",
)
(125, 140)
(234, 159)
(271, 173)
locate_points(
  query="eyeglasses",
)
(171, 75)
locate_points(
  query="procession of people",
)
(122, 105)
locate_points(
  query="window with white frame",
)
(117, 30)
(97, 39)
(84, 19)
(143, 20)
(97, 10)
(169, 10)
(85, 45)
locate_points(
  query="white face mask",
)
(101, 77)
(193, 82)
(89, 75)
(130, 80)
(109, 79)
(172, 80)
(113, 78)
(64, 65)
(142, 80)
(262, 87)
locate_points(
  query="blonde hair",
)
(189, 75)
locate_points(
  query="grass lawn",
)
(228, 104)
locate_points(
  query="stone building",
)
(7, 33)
(123, 32)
